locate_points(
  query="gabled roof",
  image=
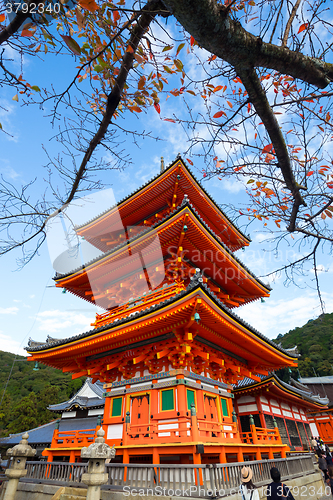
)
(89, 396)
(289, 390)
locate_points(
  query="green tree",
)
(48, 396)
(24, 415)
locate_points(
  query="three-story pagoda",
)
(169, 345)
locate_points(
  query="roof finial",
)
(162, 164)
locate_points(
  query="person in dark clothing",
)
(277, 490)
(322, 465)
(330, 478)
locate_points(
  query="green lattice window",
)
(116, 407)
(190, 398)
(224, 405)
(168, 400)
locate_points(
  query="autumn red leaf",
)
(116, 16)
(2, 17)
(157, 107)
(269, 158)
(192, 41)
(267, 148)
(303, 27)
(27, 33)
(89, 5)
(219, 114)
(141, 82)
(190, 161)
(229, 104)
(309, 173)
(71, 44)
(169, 120)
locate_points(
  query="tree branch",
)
(289, 23)
(150, 10)
(210, 25)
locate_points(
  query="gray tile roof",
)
(304, 394)
(44, 433)
(82, 401)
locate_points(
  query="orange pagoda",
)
(169, 346)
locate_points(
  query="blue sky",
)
(30, 304)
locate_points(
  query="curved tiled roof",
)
(191, 287)
(248, 383)
(155, 226)
(82, 401)
(152, 180)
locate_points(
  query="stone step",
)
(68, 493)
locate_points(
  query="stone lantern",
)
(97, 453)
(17, 469)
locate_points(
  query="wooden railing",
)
(261, 436)
(73, 439)
(192, 480)
(208, 431)
(227, 432)
(139, 303)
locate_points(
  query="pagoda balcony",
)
(134, 305)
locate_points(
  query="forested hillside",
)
(26, 392)
(315, 344)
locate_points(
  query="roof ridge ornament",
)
(197, 277)
(186, 200)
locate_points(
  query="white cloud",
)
(280, 316)
(63, 322)
(10, 345)
(9, 310)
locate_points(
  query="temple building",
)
(274, 401)
(169, 347)
(76, 420)
(321, 420)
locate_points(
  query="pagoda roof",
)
(281, 388)
(248, 347)
(163, 225)
(88, 396)
(150, 193)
